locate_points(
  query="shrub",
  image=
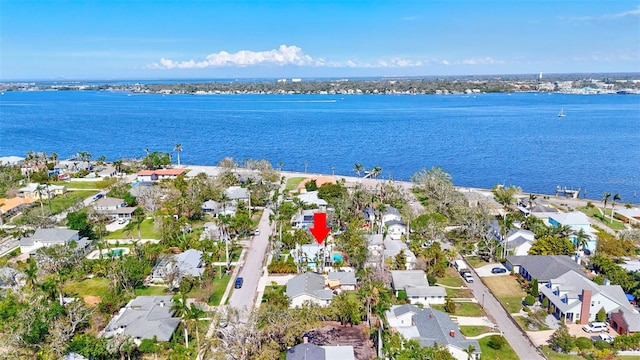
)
(534, 289)
(526, 309)
(529, 300)
(602, 345)
(601, 316)
(450, 306)
(496, 342)
(545, 302)
(402, 295)
(583, 343)
(432, 280)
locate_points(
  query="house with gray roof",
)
(542, 267)
(309, 351)
(143, 318)
(573, 297)
(114, 208)
(625, 321)
(343, 280)
(237, 193)
(520, 241)
(49, 237)
(11, 160)
(393, 247)
(308, 287)
(429, 327)
(172, 269)
(415, 284)
(11, 278)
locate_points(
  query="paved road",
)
(518, 341)
(251, 266)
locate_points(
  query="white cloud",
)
(284, 55)
(481, 61)
(635, 13)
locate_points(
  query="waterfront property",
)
(35, 191)
(159, 174)
(429, 327)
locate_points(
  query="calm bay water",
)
(481, 140)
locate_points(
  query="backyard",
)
(95, 287)
(597, 214)
(146, 232)
(292, 183)
(462, 309)
(507, 290)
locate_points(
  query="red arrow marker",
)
(320, 229)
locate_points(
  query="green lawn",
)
(151, 290)
(146, 231)
(463, 309)
(81, 184)
(219, 286)
(292, 183)
(476, 261)
(88, 287)
(507, 290)
(451, 278)
(552, 355)
(506, 353)
(61, 203)
(470, 331)
(594, 212)
(459, 293)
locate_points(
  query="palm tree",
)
(280, 165)
(375, 172)
(616, 197)
(581, 239)
(605, 199)
(181, 309)
(178, 150)
(469, 351)
(532, 199)
(194, 313)
(40, 189)
(306, 165)
(358, 168)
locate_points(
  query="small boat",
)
(561, 114)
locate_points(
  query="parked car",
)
(604, 337)
(498, 270)
(257, 232)
(239, 282)
(97, 197)
(468, 278)
(596, 327)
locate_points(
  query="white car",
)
(596, 327)
(468, 277)
(257, 232)
(604, 337)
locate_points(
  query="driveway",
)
(485, 271)
(516, 338)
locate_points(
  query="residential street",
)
(518, 341)
(250, 268)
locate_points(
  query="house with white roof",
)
(577, 221)
(520, 241)
(631, 216)
(573, 297)
(429, 326)
(304, 219)
(415, 284)
(49, 237)
(311, 198)
(144, 317)
(343, 280)
(237, 193)
(308, 287)
(11, 160)
(392, 223)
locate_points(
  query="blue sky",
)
(60, 39)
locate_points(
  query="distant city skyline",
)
(78, 40)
